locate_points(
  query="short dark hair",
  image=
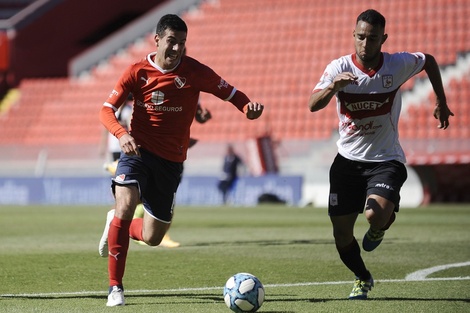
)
(170, 21)
(372, 17)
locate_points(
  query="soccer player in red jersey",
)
(166, 87)
(369, 169)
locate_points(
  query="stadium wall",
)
(193, 190)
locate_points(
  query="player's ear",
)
(157, 38)
(384, 38)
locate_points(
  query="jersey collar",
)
(369, 72)
(150, 60)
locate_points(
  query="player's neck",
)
(371, 65)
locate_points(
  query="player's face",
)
(368, 42)
(170, 48)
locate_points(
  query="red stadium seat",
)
(275, 51)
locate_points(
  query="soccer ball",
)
(243, 292)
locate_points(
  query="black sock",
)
(351, 257)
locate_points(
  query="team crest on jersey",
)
(180, 82)
(387, 81)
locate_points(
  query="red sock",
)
(135, 231)
(118, 244)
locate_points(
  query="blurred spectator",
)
(229, 172)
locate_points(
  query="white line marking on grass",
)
(146, 291)
(422, 274)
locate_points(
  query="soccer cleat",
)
(372, 239)
(111, 167)
(103, 247)
(361, 288)
(115, 296)
(167, 242)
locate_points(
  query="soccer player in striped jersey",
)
(166, 87)
(369, 169)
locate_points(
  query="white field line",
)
(422, 274)
(163, 291)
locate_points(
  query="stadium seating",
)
(273, 50)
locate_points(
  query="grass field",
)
(49, 261)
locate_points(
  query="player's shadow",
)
(156, 298)
(194, 298)
(323, 300)
(283, 298)
(262, 243)
(421, 299)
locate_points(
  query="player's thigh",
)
(127, 198)
(159, 195)
(384, 184)
(347, 188)
(153, 230)
(131, 177)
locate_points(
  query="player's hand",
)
(129, 146)
(202, 115)
(442, 113)
(343, 79)
(253, 110)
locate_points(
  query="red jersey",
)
(165, 103)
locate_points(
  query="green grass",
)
(49, 261)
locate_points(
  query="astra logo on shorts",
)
(383, 185)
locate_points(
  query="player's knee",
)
(378, 214)
(153, 242)
(342, 236)
(154, 239)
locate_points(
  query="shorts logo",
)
(333, 199)
(383, 185)
(120, 178)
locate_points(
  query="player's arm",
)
(221, 89)
(319, 99)
(126, 141)
(252, 110)
(441, 111)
